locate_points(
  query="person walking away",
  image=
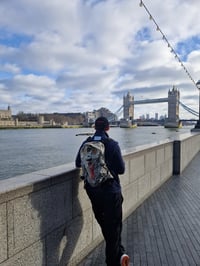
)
(105, 194)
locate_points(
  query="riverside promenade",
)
(46, 218)
(165, 228)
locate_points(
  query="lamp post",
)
(197, 126)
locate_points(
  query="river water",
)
(26, 150)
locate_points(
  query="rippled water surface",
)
(27, 150)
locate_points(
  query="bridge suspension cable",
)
(189, 109)
(118, 110)
(168, 43)
(117, 113)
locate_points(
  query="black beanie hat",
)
(102, 123)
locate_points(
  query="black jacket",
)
(113, 159)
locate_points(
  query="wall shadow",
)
(60, 216)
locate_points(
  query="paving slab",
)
(165, 229)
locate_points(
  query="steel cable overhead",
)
(168, 43)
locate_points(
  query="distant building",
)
(6, 119)
(90, 118)
(6, 114)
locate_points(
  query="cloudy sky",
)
(81, 55)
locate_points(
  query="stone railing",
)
(46, 217)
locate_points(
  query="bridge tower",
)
(128, 107)
(173, 108)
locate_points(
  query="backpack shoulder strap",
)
(106, 140)
(89, 139)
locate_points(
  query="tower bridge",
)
(173, 120)
(173, 101)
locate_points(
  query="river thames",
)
(28, 150)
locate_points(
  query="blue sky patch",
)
(143, 34)
(5, 75)
(14, 40)
(186, 47)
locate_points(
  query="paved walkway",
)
(165, 229)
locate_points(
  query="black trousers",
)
(107, 208)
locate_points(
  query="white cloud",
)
(76, 56)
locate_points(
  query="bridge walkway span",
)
(165, 229)
(146, 101)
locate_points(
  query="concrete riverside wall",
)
(46, 217)
(190, 146)
(185, 148)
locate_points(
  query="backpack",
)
(94, 168)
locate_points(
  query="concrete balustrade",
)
(46, 217)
